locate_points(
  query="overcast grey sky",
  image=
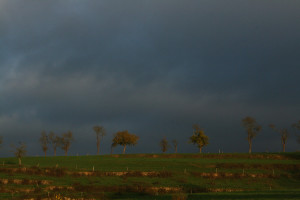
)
(151, 67)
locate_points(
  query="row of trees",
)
(64, 141)
(124, 138)
(253, 128)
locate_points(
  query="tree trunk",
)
(200, 149)
(54, 151)
(45, 154)
(175, 149)
(250, 146)
(20, 162)
(66, 152)
(124, 149)
(283, 147)
(111, 150)
(98, 144)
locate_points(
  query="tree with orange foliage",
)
(124, 138)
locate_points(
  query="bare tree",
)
(175, 144)
(100, 132)
(283, 133)
(199, 138)
(164, 145)
(124, 138)
(44, 141)
(67, 139)
(252, 129)
(55, 141)
(19, 151)
(296, 127)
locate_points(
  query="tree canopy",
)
(66, 140)
(124, 138)
(164, 145)
(44, 141)
(283, 135)
(19, 151)
(100, 132)
(252, 129)
(199, 138)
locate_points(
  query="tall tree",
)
(55, 140)
(19, 151)
(198, 138)
(164, 145)
(252, 129)
(296, 126)
(124, 138)
(175, 144)
(100, 132)
(67, 139)
(283, 135)
(44, 141)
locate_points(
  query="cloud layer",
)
(154, 68)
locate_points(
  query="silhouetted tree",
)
(198, 138)
(175, 144)
(252, 129)
(100, 132)
(112, 146)
(296, 127)
(67, 139)
(19, 151)
(44, 141)
(164, 145)
(124, 138)
(283, 133)
(55, 140)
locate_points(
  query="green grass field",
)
(153, 176)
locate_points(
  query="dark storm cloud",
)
(154, 68)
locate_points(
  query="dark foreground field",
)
(153, 176)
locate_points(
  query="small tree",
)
(296, 127)
(112, 146)
(124, 138)
(164, 145)
(44, 141)
(55, 140)
(175, 144)
(283, 133)
(67, 139)
(198, 138)
(252, 129)
(100, 132)
(19, 151)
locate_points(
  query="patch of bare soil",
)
(224, 190)
(63, 198)
(233, 175)
(126, 173)
(25, 182)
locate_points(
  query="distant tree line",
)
(125, 139)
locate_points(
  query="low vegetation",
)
(153, 176)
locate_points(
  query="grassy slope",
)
(185, 172)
